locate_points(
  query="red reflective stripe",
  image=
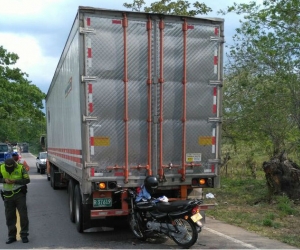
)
(66, 150)
(91, 107)
(88, 21)
(215, 60)
(89, 53)
(116, 21)
(216, 31)
(104, 213)
(92, 141)
(213, 140)
(90, 88)
(68, 157)
(92, 172)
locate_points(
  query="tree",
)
(255, 112)
(20, 102)
(266, 49)
(170, 7)
(135, 6)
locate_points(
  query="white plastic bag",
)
(210, 196)
(163, 199)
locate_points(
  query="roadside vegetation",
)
(244, 201)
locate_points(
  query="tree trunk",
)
(283, 176)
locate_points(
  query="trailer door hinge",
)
(88, 78)
(214, 161)
(218, 39)
(87, 30)
(215, 119)
(216, 82)
(90, 164)
(89, 118)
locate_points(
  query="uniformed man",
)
(17, 159)
(14, 178)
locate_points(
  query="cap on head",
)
(10, 163)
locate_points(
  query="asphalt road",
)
(51, 228)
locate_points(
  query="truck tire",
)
(52, 179)
(71, 187)
(78, 209)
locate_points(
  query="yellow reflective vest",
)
(15, 175)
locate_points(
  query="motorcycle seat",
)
(168, 207)
(144, 205)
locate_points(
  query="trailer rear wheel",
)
(78, 209)
(71, 187)
(52, 179)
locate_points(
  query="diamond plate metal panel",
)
(200, 54)
(108, 91)
(63, 104)
(199, 100)
(107, 49)
(107, 65)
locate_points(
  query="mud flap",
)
(86, 216)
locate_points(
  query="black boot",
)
(25, 239)
(11, 240)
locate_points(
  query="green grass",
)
(245, 202)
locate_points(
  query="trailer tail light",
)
(102, 185)
(109, 185)
(202, 182)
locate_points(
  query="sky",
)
(37, 30)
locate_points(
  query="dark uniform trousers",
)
(17, 201)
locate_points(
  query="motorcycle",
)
(179, 220)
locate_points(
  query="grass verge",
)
(246, 203)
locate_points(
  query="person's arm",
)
(26, 166)
(25, 180)
(2, 180)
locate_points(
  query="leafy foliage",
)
(20, 102)
(262, 96)
(178, 7)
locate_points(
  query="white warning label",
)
(193, 157)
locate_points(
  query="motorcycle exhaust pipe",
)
(160, 227)
(199, 223)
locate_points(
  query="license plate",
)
(196, 217)
(102, 202)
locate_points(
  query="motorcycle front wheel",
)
(135, 226)
(188, 234)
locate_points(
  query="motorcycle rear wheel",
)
(188, 228)
(135, 226)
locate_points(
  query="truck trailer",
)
(134, 94)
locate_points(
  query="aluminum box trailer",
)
(134, 94)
